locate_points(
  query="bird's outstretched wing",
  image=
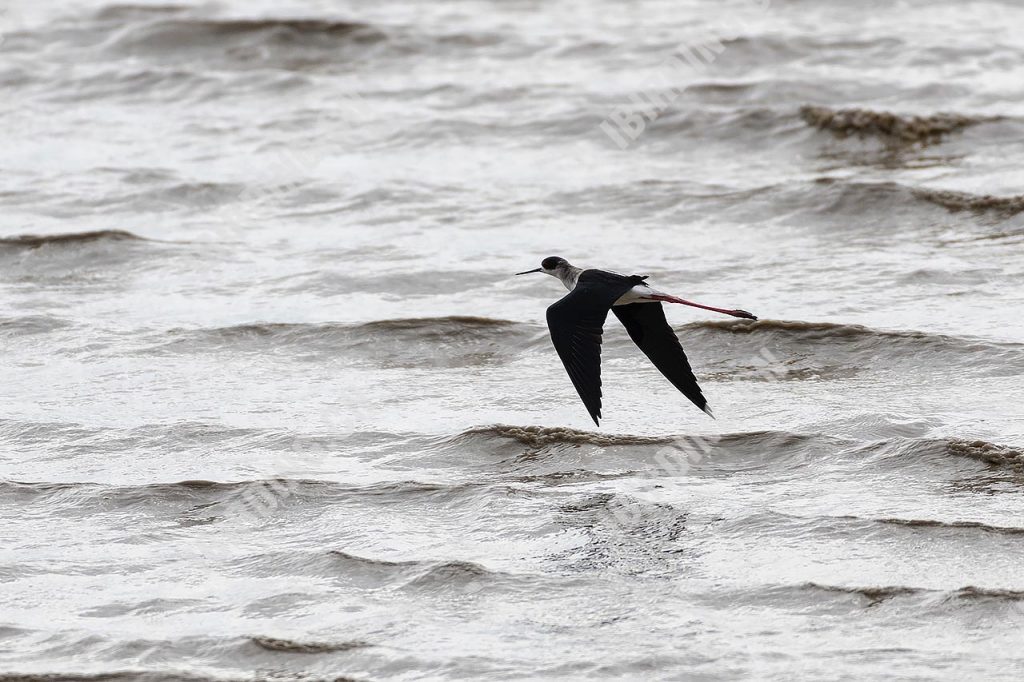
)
(576, 323)
(649, 330)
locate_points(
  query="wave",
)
(720, 454)
(763, 350)
(1009, 235)
(540, 436)
(452, 574)
(762, 48)
(772, 350)
(839, 199)
(30, 325)
(989, 453)
(95, 259)
(434, 325)
(808, 330)
(769, 128)
(70, 239)
(179, 34)
(159, 84)
(749, 123)
(971, 592)
(294, 43)
(777, 524)
(715, 452)
(951, 525)
(452, 341)
(192, 195)
(625, 455)
(824, 203)
(118, 13)
(404, 285)
(164, 675)
(352, 560)
(729, 453)
(74, 494)
(294, 647)
(1006, 206)
(195, 437)
(253, 499)
(888, 126)
(212, 489)
(429, 574)
(873, 594)
(897, 451)
(369, 571)
(880, 594)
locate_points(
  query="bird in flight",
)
(577, 320)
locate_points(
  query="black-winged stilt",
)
(577, 320)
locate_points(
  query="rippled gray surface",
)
(272, 406)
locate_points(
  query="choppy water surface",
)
(272, 405)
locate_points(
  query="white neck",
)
(569, 276)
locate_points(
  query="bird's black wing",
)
(649, 330)
(576, 323)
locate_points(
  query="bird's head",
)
(552, 265)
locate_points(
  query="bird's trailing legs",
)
(576, 323)
(675, 299)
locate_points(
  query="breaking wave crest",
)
(442, 325)
(816, 330)
(784, 349)
(885, 125)
(879, 594)
(990, 453)
(952, 525)
(1007, 206)
(540, 436)
(294, 647)
(67, 239)
(874, 594)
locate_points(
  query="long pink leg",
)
(675, 299)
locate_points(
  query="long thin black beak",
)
(530, 271)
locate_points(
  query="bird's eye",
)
(551, 262)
